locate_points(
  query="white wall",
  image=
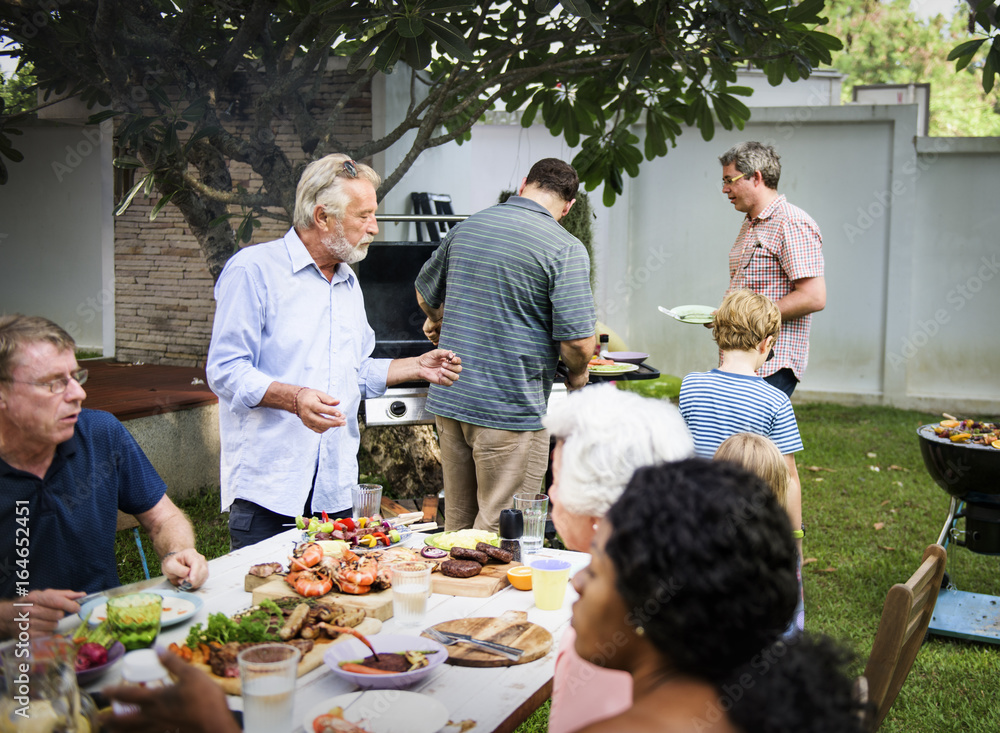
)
(903, 230)
(56, 231)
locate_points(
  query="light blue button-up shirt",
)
(278, 319)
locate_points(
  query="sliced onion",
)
(433, 553)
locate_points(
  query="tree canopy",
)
(169, 71)
(885, 43)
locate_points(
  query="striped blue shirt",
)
(717, 404)
(514, 284)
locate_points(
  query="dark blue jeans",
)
(251, 523)
(783, 379)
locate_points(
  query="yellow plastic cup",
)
(549, 578)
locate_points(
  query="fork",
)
(447, 640)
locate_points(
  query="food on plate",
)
(333, 721)
(463, 538)
(370, 532)
(265, 569)
(464, 553)
(495, 553)
(969, 431)
(287, 620)
(597, 361)
(388, 663)
(92, 644)
(461, 568)
(314, 573)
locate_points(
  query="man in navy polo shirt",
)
(64, 473)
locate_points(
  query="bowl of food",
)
(402, 661)
(627, 357)
(520, 577)
(89, 664)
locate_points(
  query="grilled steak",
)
(494, 553)
(461, 568)
(464, 553)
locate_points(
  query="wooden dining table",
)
(493, 698)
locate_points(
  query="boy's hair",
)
(759, 455)
(744, 319)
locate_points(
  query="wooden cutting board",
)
(492, 579)
(377, 605)
(512, 628)
(312, 660)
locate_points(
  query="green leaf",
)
(968, 48)
(127, 162)
(133, 192)
(417, 53)
(388, 53)
(159, 205)
(806, 12)
(196, 110)
(449, 39)
(991, 68)
(410, 26)
(579, 8)
(98, 118)
(638, 65)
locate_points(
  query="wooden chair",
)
(905, 617)
(128, 522)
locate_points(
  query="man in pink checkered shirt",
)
(778, 253)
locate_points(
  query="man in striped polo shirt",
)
(509, 291)
(778, 253)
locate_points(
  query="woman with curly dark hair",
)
(693, 607)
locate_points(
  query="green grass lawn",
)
(953, 683)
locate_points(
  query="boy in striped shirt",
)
(733, 399)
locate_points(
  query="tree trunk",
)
(407, 456)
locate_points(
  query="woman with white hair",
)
(602, 436)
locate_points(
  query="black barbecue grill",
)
(970, 474)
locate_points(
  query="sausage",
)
(461, 568)
(494, 553)
(464, 553)
(293, 624)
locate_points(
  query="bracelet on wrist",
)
(295, 402)
(168, 555)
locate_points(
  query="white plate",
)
(691, 313)
(610, 370)
(177, 607)
(385, 711)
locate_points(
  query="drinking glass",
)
(135, 619)
(411, 585)
(534, 508)
(41, 685)
(549, 579)
(366, 500)
(267, 676)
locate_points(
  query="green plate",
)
(443, 538)
(694, 313)
(612, 369)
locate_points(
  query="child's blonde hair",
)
(761, 456)
(745, 319)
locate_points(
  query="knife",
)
(124, 590)
(483, 642)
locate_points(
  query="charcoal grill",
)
(970, 474)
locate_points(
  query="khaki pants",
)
(484, 468)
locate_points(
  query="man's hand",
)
(317, 411)
(577, 381)
(439, 366)
(189, 565)
(194, 704)
(432, 330)
(43, 615)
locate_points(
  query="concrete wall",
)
(910, 240)
(56, 233)
(183, 447)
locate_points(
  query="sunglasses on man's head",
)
(350, 168)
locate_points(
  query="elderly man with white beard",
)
(290, 358)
